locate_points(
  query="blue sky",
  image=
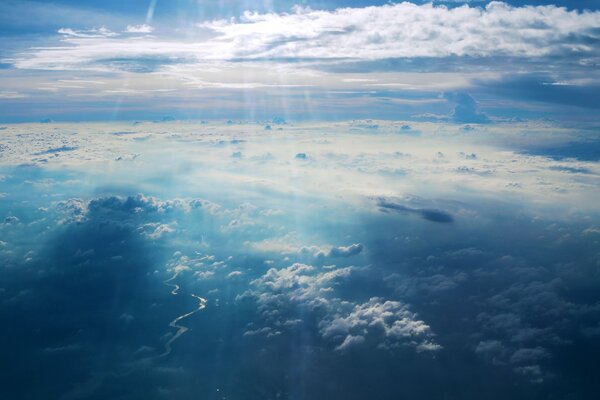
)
(77, 61)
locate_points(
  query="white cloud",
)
(364, 165)
(390, 323)
(300, 282)
(346, 251)
(385, 324)
(9, 94)
(406, 30)
(350, 341)
(234, 274)
(101, 32)
(155, 230)
(296, 285)
(369, 33)
(139, 29)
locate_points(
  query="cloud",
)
(381, 323)
(298, 283)
(92, 275)
(10, 220)
(9, 94)
(408, 30)
(390, 31)
(139, 29)
(350, 341)
(483, 305)
(389, 323)
(527, 356)
(74, 210)
(425, 213)
(465, 110)
(91, 33)
(346, 251)
(56, 150)
(155, 230)
(279, 292)
(143, 204)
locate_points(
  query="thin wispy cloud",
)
(102, 32)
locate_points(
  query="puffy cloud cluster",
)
(279, 293)
(74, 210)
(134, 205)
(156, 230)
(149, 216)
(298, 284)
(287, 245)
(389, 322)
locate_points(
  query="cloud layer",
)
(402, 30)
(450, 254)
(410, 30)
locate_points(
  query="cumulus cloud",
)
(234, 274)
(298, 283)
(382, 323)
(74, 210)
(156, 230)
(145, 204)
(465, 109)
(389, 322)
(346, 251)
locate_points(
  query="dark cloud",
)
(56, 150)
(428, 214)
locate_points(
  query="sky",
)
(315, 60)
(327, 200)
